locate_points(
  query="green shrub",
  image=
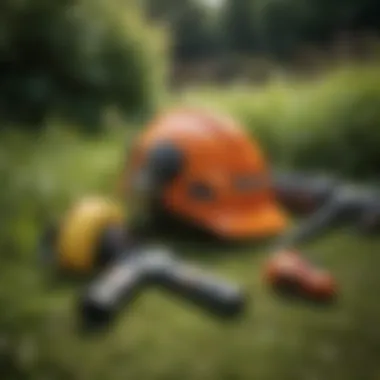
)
(329, 123)
(336, 124)
(76, 59)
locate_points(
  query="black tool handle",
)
(313, 227)
(368, 211)
(121, 283)
(114, 289)
(303, 193)
(343, 208)
(216, 296)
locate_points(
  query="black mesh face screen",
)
(201, 191)
(164, 162)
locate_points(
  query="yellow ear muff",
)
(81, 230)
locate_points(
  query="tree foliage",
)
(78, 58)
(194, 28)
(75, 58)
(281, 26)
(271, 27)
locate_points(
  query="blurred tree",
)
(237, 24)
(280, 27)
(76, 58)
(195, 34)
(162, 10)
(192, 24)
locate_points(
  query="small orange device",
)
(289, 273)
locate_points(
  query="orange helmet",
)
(207, 170)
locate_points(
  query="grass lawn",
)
(161, 338)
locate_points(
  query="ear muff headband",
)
(164, 162)
(81, 231)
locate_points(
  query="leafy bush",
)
(77, 58)
(330, 123)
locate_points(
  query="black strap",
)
(343, 207)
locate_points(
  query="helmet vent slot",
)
(248, 183)
(201, 191)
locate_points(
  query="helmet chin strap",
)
(164, 163)
(145, 189)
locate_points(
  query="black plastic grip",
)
(214, 295)
(121, 283)
(114, 289)
(303, 193)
